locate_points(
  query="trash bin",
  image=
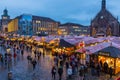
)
(10, 75)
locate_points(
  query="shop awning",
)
(113, 51)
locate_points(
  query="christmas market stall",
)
(110, 56)
(64, 47)
(87, 52)
(51, 42)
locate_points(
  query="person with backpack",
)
(53, 72)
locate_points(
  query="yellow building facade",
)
(13, 25)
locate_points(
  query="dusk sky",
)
(77, 11)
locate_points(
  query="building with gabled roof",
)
(104, 23)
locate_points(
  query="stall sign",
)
(104, 53)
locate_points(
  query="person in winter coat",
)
(34, 64)
(60, 72)
(14, 56)
(38, 55)
(111, 72)
(53, 72)
(69, 72)
(98, 68)
(28, 58)
(22, 52)
(1, 59)
(81, 72)
(106, 67)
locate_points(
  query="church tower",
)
(5, 20)
(103, 5)
(5, 14)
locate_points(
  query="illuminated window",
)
(75, 27)
(84, 30)
(63, 30)
(38, 21)
(77, 30)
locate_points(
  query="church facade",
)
(104, 23)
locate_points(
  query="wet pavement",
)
(23, 70)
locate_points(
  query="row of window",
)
(77, 30)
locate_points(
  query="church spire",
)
(103, 4)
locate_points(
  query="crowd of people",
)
(70, 63)
(74, 67)
(14, 52)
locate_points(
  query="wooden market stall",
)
(87, 52)
(64, 47)
(111, 56)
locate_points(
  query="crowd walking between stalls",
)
(74, 67)
(71, 63)
(14, 52)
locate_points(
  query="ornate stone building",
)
(104, 23)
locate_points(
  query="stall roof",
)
(93, 49)
(64, 43)
(114, 52)
(37, 38)
(73, 41)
